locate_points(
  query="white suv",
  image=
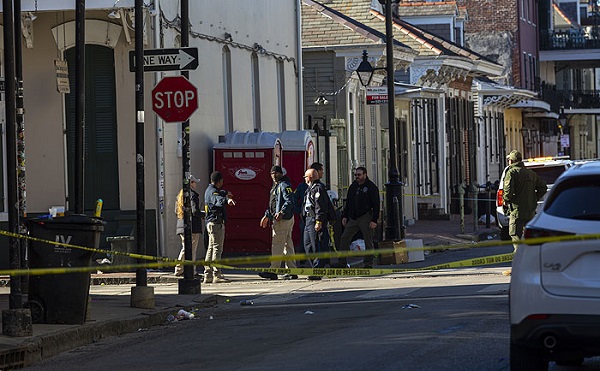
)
(548, 168)
(555, 286)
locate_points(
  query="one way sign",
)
(167, 59)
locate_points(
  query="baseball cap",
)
(515, 155)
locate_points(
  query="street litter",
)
(142, 329)
(246, 302)
(410, 306)
(171, 318)
(211, 317)
(183, 314)
(309, 312)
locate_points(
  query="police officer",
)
(281, 213)
(215, 200)
(315, 207)
(523, 188)
(361, 213)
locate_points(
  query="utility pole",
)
(142, 296)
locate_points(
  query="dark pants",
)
(315, 242)
(353, 226)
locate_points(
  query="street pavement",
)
(110, 312)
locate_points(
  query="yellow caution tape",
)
(341, 272)
(161, 262)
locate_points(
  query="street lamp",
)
(365, 70)
(394, 229)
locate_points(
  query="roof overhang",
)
(498, 95)
(58, 5)
(437, 71)
(542, 115)
(532, 105)
(403, 57)
(408, 91)
(487, 68)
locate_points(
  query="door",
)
(101, 178)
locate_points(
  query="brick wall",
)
(490, 15)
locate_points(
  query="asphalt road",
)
(345, 331)
(416, 323)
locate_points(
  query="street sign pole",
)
(142, 296)
(189, 284)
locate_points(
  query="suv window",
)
(548, 173)
(576, 199)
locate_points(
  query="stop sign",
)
(174, 99)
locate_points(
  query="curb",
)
(41, 347)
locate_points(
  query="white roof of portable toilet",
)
(248, 139)
(295, 140)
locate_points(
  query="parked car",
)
(555, 286)
(548, 168)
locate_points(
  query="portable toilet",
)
(298, 155)
(245, 160)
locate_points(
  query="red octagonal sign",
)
(174, 99)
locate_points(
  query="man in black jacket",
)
(361, 213)
(314, 209)
(281, 214)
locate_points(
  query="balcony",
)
(569, 39)
(571, 99)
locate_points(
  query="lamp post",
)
(393, 188)
(564, 129)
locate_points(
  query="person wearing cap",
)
(215, 202)
(281, 215)
(197, 215)
(523, 188)
(360, 214)
(315, 209)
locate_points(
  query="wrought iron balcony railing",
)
(569, 39)
(571, 98)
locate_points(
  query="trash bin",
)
(61, 298)
(122, 244)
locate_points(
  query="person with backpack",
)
(360, 214)
(281, 215)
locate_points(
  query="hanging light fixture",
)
(321, 101)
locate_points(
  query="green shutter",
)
(101, 158)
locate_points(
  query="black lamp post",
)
(394, 229)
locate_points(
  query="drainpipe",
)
(160, 154)
(299, 64)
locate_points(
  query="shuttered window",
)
(101, 178)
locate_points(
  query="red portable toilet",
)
(298, 155)
(245, 160)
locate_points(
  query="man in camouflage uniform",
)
(523, 188)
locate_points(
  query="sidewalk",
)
(110, 312)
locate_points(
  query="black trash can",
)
(61, 298)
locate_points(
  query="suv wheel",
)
(526, 359)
